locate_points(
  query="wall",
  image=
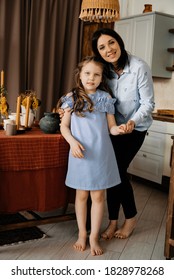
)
(134, 7)
(164, 88)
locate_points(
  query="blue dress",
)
(98, 169)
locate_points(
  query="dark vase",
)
(50, 123)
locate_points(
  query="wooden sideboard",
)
(169, 238)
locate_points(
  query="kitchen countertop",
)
(162, 118)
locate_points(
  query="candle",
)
(2, 78)
(2, 85)
(18, 111)
(27, 111)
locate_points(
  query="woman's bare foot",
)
(80, 244)
(127, 228)
(96, 249)
(110, 230)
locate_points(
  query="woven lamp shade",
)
(100, 10)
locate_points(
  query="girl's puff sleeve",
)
(106, 104)
(67, 101)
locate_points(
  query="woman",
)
(130, 80)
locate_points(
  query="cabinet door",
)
(147, 36)
(143, 38)
(137, 34)
(154, 143)
(125, 29)
(147, 166)
(168, 155)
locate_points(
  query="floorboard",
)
(146, 242)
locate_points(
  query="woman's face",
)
(108, 48)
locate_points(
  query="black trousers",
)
(125, 146)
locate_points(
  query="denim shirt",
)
(134, 94)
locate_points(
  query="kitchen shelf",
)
(170, 68)
(171, 50)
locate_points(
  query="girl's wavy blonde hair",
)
(79, 95)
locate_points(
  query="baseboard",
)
(163, 187)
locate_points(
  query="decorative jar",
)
(50, 122)
(147, 8)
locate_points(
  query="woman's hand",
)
(129, 126)
(123, 128)
(61, 113)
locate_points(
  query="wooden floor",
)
(146, 242)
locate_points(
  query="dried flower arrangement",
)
(3, 103)
(34, 101)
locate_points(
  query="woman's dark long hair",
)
(124, 55)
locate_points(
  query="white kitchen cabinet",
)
(148, 166)
(147, 36)
(153, 161)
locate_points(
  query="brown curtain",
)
(40, 45)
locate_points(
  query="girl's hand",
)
(77, 149)
(116, 130)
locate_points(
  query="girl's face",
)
(91, 76)
(108, 48)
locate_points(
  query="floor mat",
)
(17, 236)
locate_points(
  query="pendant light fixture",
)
(100, 10)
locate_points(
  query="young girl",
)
(92, 166)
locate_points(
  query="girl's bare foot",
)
(80, 244)
(96, 250)
(110, 230)
(127, 228)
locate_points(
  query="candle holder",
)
(31, 117)
(29, 105)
